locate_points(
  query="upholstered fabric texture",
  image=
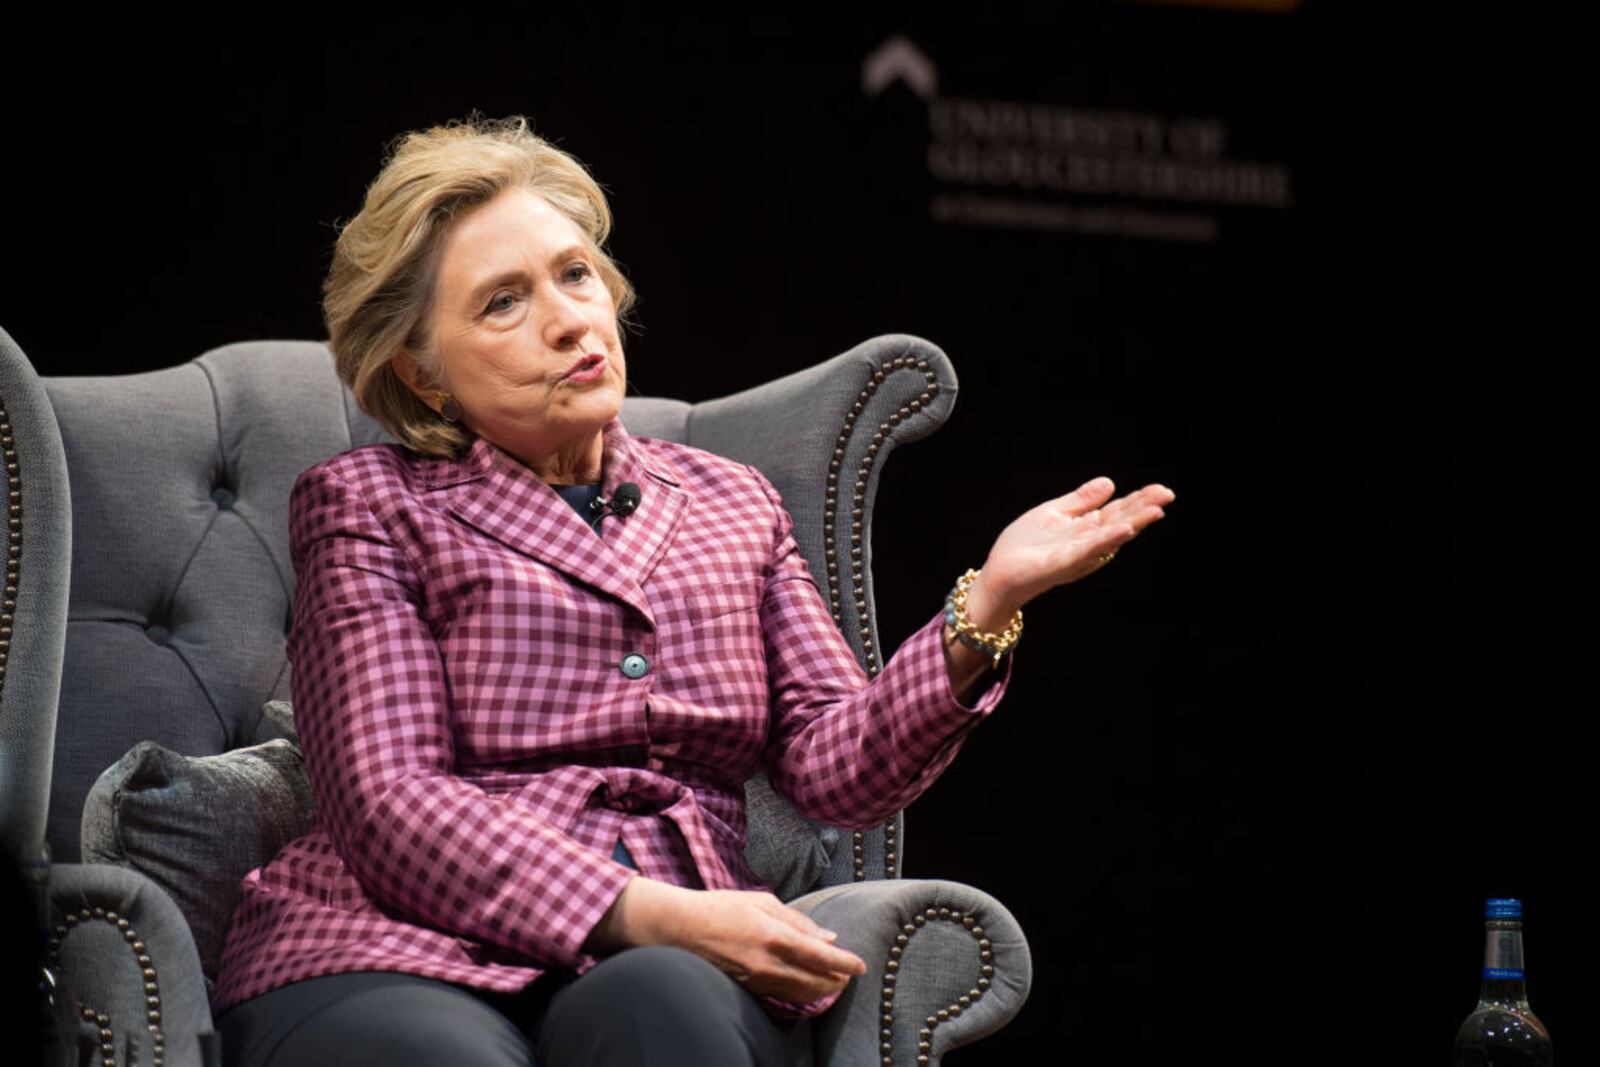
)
(33, 613)
(181, 581)
(196, 825)
(786, 850)
(128, 957)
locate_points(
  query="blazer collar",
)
(493, 492)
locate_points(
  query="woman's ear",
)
(409, 372)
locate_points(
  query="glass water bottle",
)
(1503, 1031)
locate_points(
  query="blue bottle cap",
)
(1502, 908)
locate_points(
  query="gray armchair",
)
(160, 760)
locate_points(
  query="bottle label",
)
(1503, 956)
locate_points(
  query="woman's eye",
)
(578, 272)
(501, 302)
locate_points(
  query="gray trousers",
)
(648, 1005)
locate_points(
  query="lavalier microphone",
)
(624, 502)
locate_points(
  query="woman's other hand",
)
(769, 947)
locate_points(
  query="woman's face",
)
(525, 332)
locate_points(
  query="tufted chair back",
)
(181, 581)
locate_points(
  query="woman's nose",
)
(564, 320)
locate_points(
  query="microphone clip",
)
(622, 503)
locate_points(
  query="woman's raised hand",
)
(1058, 542)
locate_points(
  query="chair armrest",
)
(946, 965)
(124, 956)
(38, 564)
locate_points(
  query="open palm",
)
(1067, 538)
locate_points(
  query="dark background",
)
(1254, 780)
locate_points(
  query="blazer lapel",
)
(494, 493)
(639, 540)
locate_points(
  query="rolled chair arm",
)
(946, 965)
(125, 958)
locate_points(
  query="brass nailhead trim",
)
(8, 609)
(136, 944)
(962, 1003)
(858, 578)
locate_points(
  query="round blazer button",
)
(635, 666)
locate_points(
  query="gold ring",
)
(1107, 557)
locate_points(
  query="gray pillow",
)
(196, 825)
(787, 851)
(277, 720)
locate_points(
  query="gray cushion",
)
(277, 720)
(196, 825)
(786, 850)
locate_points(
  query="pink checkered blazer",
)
(477, 748)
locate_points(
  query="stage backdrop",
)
(1255, 778)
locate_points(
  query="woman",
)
(528, 718)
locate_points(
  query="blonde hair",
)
(378, 295)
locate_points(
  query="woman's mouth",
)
(586, 369)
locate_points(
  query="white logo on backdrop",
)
(897, 59)
(1030, 165)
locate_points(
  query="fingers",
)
(801, 964)
(793, 916)
(819, 957)
(1144, 517)
(1151, 496)
(806, 944)
(795, 985)
(1095, 550)
(1138, 509)
(774, 976)
(1112, 533)
(1097, 492)
(1156, 493)
(1098, 551)
(766, 946)
(815, 951)
(1088, 496)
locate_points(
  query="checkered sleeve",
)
(844, 750)
(374, 719)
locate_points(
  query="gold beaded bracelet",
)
(955, 616)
